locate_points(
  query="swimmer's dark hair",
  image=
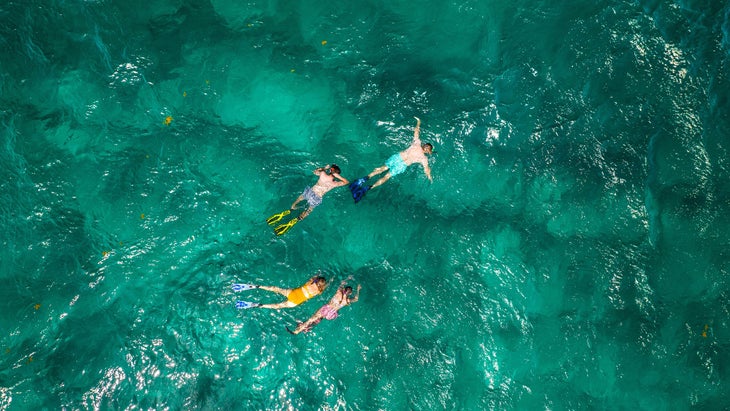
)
(347, 290)
(335, 168)
(428, 146)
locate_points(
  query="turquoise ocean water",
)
(571, 252)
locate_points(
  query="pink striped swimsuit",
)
(328, 312)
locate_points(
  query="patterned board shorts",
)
(312, 199)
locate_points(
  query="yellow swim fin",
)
(285, 227)
(277, 217)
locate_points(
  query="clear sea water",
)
(571, 252)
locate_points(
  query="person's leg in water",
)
(307, 325)
(313, 200)
(306, 211)
(304, 214)
(297, 201)
(274, 289)
(383, 179)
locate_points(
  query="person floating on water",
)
(329, 178)
(294, 297)
(396, 164)
(343, 297)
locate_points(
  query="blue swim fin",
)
(243, 287)
(246, 304)
(358, 188)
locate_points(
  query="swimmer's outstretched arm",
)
(356, 297)
(427, 170)
(417, 132)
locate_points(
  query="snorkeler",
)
(396, 164)
(343, 297)
(329, 178)
(294, 297)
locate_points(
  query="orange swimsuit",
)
(299, 295)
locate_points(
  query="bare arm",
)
(356, 297)
(342, 180)
(320, 170)
(427, 169)
(417, 132)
